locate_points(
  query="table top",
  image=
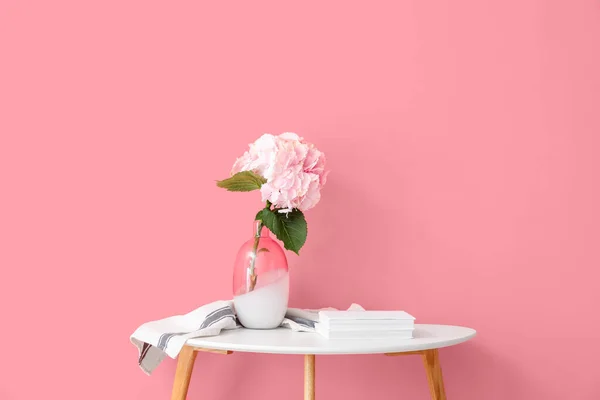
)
(285, 341)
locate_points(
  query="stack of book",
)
(365, 324)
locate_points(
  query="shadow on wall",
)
(251, 376)
(342, 263)
(332, 269)
(467, 374)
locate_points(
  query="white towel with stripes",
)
(166, 337)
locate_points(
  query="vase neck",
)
(260, 230)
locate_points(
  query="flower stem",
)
(253, 276)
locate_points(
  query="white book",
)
(364, 334)
(361, 320)
(364, 315)
(369, 326)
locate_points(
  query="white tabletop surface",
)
(285, 341)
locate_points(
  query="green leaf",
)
(245, 181)
(290, 228)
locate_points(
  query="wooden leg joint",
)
(183, 373)
(213, 351)
(406, 353)
(431, 360)
(185, 366)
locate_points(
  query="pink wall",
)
(463, 140)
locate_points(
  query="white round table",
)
(426, 342)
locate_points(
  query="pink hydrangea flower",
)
(294, 170)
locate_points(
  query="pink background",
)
(463, 139)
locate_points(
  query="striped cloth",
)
(166, 337)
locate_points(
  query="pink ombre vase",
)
(260, 281)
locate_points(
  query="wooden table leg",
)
(431, 360)
(183, 374)
(309, 377)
